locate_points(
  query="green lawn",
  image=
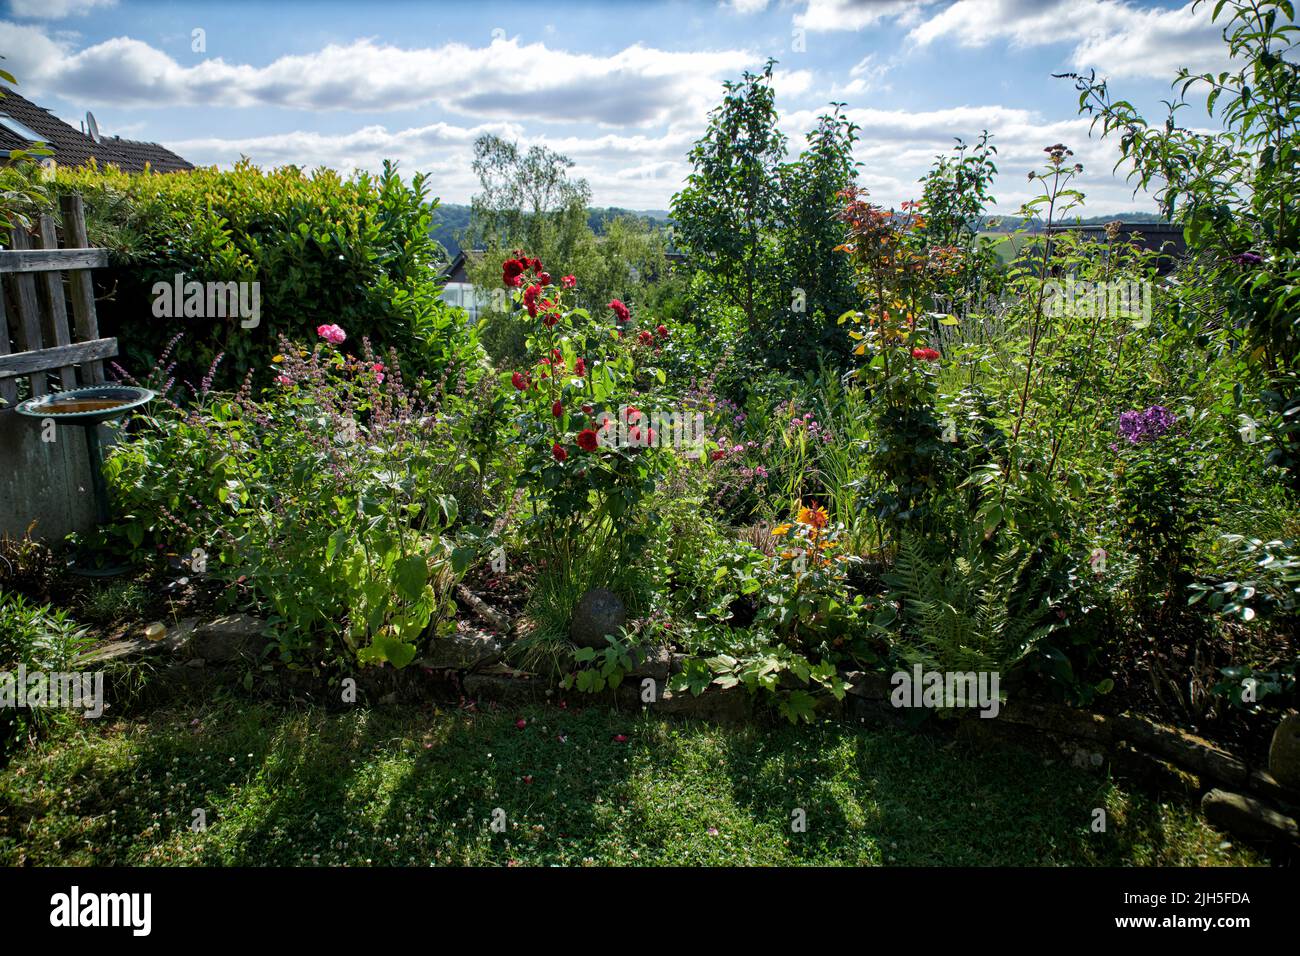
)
(409, 787)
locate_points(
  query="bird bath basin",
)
(88, 407)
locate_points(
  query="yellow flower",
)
(780, 530)
(277, 359)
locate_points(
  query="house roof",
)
(137, 153)
(72, 147)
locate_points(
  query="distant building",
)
(459, 291)
(1165, 238)
(24, 125)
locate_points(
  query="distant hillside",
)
(450, 221)
(1012, 223)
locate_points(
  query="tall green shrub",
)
(326, 250)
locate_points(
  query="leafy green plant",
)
(40, 638)
(972, 611)
(601, 669)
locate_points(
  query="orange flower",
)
(813, 517)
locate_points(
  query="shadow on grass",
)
(421, 786)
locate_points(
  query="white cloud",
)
(747, 6)
(638, 85)
(866, 76)
(640, 171)
(55, 9)
(26, 49)
(897, 147)
(792, 82)
(1115, 37)
(829, 15)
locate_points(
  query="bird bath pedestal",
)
(88, 408)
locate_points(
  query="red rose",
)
(620, 310)
(925, 355)
(518, 381)
(544, 278)
(718, 455)
(588, 409)
(557, 409)
(661, 331)
(644, 337)
(549, 320)
(530, 298)
(569, 281)
(587, 440)
(510, 271)
(580, 368)
(558, 452)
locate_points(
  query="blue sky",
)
(621, 87)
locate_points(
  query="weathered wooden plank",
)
(56, 326)
(80, 288)
(51, 260)
(8, 389)
(43, 360)
(29, 318)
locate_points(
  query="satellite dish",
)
(91, 126)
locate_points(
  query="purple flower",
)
(1145, 426)
(1247, 259)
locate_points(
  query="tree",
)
(818, 281)
(529, 201)
(725, 213)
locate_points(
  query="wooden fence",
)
(49, 337)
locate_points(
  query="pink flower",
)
(521, 723)
(569, 281)
(379, 372)
(283, 380)
(620, 738)
(332, 334)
